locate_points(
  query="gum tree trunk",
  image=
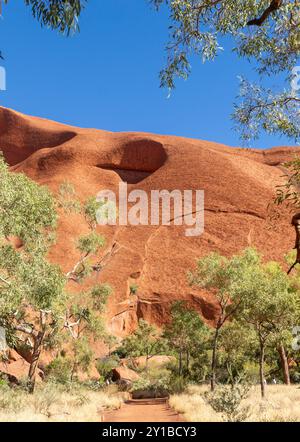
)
(214, 360)
(261, 370)
(37, 349)
(284, 364)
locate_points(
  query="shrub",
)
(227, 401)
(133, 289)
(156, 381)
(44, 399)
(106, 365)
(11, 399)
(59, 370)
(177, 384)
(94, 385)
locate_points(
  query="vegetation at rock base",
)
(259, 296)
(145, 341)
(223, 276)
(186, 334)
(52, 402)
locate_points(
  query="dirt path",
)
(144, 410)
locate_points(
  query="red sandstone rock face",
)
(238, 183)
(16, 368)
(124, 374)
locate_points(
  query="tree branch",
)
(24, 328)
(274, 6)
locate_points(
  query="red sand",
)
(151, 410)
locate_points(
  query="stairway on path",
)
(144, 410)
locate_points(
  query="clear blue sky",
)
(107, 75)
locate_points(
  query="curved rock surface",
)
(238, 183)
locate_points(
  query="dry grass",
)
(52, 403)
(282, 404)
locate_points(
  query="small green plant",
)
(177, 384)
(227, 401)
(59, 370)
(133, 289)
(3, 381)
(106, 365)
(154, 381)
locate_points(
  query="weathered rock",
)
(124, 374)
(91, 374)
(16, 368)
(238, 183)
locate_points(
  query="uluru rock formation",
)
(238, 183)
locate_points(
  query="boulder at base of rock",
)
(92, 374)
(124, 375)
(17, 368)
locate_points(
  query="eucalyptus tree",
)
(260, 296)
(34, 303)
(237, 348)
(31, 288)
(271, 309)
(84, 322)
(146, 341)
(186, 334)
(226, 279)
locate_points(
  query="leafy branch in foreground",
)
(61, 15)
(261, 109)
(265, 31)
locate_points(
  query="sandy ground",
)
(150, 410)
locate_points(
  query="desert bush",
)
(44, 399)
(11, 398)
(133, 289)
(156, 381)
(106, 365)
(59, 370)
(3, 381)
(227, 401)
(160, 382)
(94, 385)
(56, 402)
(177, 384)
(281, 405)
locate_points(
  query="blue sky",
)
(106, 76)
